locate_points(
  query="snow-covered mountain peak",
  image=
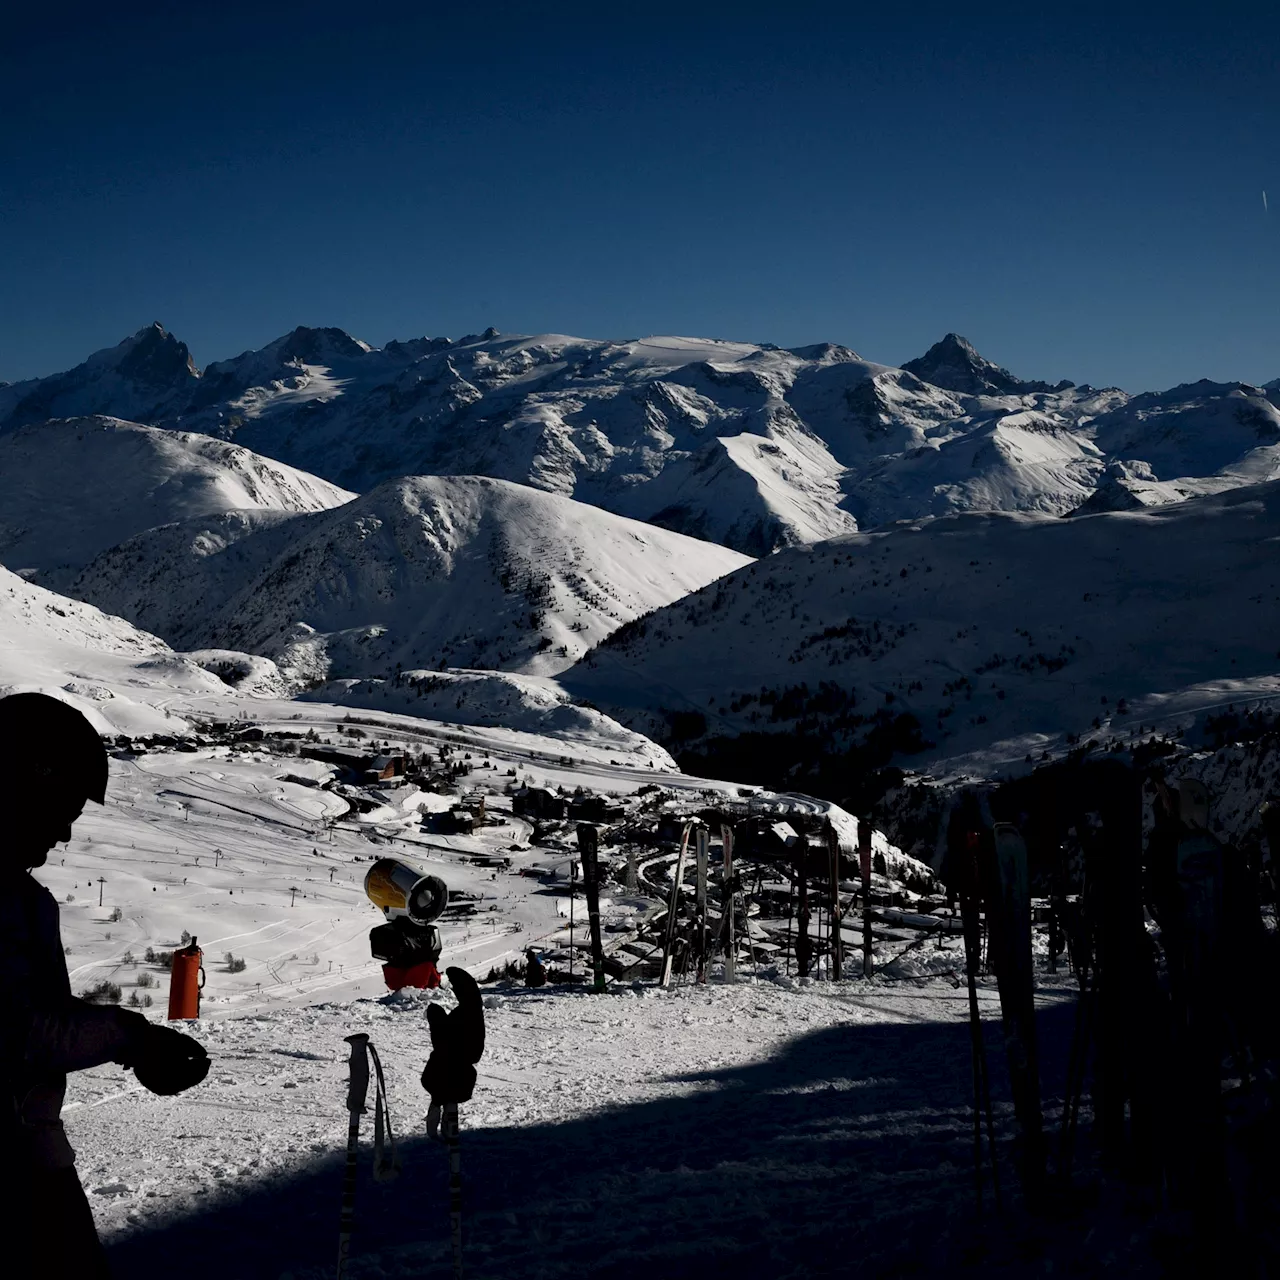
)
(955, 365)
(1194, 430)
(825, 353)
(152, 356)
(143, 377)
(326, 346)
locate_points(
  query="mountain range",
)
(750, 445)
(794, 560)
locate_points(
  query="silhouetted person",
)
(51, 764)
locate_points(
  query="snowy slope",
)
(422, 572)
(70, 488)
(695, 1132)
(997, 633)
(1021, 461)
(747, 491)
(120, 677)
(515, 704)
(1193, 430)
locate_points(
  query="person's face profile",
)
(38, 825)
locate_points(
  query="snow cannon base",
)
(425, 976)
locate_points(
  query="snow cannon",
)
(409, 943)
(186, 980)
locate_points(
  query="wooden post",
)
(803, 951)
(668, 947)
(730, 942)
(703, 836)
(588, 847)
(101, 882)
(791, 902)
(573, 891)
(837, 948)
(864, 865)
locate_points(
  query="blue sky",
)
(1077, 190)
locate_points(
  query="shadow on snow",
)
(848, 1153)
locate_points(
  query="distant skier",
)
(51, 763)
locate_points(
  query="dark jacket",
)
(44, 1030)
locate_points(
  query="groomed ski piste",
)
(772, 1126)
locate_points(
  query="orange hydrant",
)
(186, 981)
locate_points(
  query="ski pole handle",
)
(358, 1066)
(357, 1091)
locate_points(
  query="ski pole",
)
(981, 1082)
(703, 835)
(977, 1114)
(746, 920)
(455, 1184)
(975, 1053)
(991, 1131)
(791, 889)
(357, 1090)
(1075, 1074)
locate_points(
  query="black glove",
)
(166, 1061)
(457, 1042)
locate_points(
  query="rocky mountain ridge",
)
(751, 445)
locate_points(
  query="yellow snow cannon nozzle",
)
(399, 889)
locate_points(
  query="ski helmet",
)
(43, 738)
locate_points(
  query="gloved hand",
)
(166, 1061)
(457, 1042)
